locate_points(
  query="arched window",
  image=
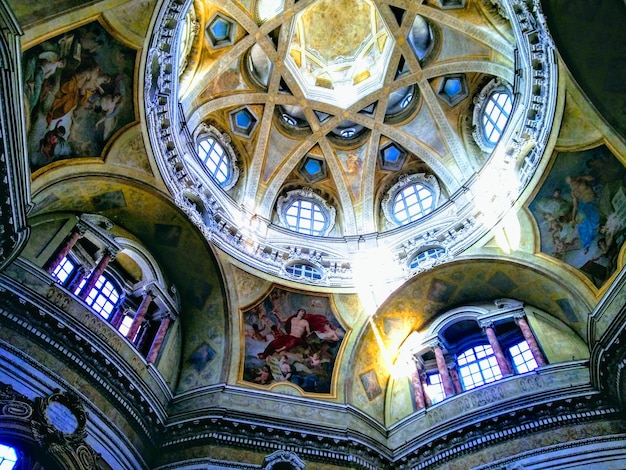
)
(412, 203)
(104, 296)
(8, 457)
(305, 216)
(411, 198)
(478, 366)
(304, 211)
(215, 158)
(302, 270)
(427, 257)
(496, 115)
(493, 107)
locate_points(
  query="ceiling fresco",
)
(79, 91)
(292, 337)
(580, 210)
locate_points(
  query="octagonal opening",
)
(339, 50)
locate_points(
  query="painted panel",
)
(291, 337)
(78, 92)
(581, 211)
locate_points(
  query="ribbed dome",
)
(404, 134)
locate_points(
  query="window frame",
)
(105, 278)
(427, 182)
(286, 202)
(202, 134)
(481, 103)
(304, 269)
(479, 369)
(526, 360)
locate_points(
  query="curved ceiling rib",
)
(408, 113)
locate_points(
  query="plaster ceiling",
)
(400, 105)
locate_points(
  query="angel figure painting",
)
(77, 93)
(292, 338)
(581, 211)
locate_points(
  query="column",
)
(140, 314)
(503, 363)
(95, 274)
(118, 316)
(456, 381)
(529, 336)
(158, 340)
(81, 272)
(448, 388)
(75, 235)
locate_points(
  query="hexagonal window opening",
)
(243, 121)
(220, 31)
(453, 89)
(313, 169)
(392, 157)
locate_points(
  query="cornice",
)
(43, 320)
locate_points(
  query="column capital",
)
(111, 252)
(436, 343)
(81, 227)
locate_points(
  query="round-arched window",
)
(8, 457)
(303, 270)
(411, 198)
(496, 115)
(427, 257)
(306, 212)
(103, 297)
(478, 366)
(305, 216)
(215, 158)
(413, 202)
(493, 107)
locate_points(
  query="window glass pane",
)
(523, 359)
(412, 203)
(306, 216)
(8, 457)
(215, 159)
(103, 297)
(496, 114)
(478, 366)
(63, 271)
(434, 388)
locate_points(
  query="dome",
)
(384, 136)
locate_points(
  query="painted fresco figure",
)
(297, 329)
(585, 212)
(52, 138)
